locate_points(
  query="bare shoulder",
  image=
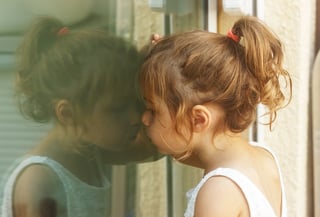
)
(220, 196)
(38, 192)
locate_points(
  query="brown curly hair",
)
(200, 67)
(80, 66)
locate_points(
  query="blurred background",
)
(158, 188)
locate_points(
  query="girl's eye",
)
(149, 107)
(150, 110)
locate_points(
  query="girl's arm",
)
(220, 197)
(39, 193)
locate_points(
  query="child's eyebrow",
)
(147, 100)
(149, 103)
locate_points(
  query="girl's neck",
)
(223, 151)
(77, 158)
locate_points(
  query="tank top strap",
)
(21, 165)
(257, 202)
(42, 160)
(17, 168)
(283, 194)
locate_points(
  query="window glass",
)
(146, 189)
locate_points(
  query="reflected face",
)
(160, 128)
(113, 124)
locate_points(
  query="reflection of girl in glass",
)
(84, 82)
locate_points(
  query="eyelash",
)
(151, 110)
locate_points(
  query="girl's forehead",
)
(155, 102)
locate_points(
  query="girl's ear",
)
(64, 112)
(201, 118)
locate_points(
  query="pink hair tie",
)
(233, 36)
(63, 31)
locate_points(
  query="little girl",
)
(201, 91)
(82, 81)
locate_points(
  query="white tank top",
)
(83, 200)
(258, 205)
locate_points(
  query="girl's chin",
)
(163, 151)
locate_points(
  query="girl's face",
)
(160, 128)
(113, 124)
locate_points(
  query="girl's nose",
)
(146, 118)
